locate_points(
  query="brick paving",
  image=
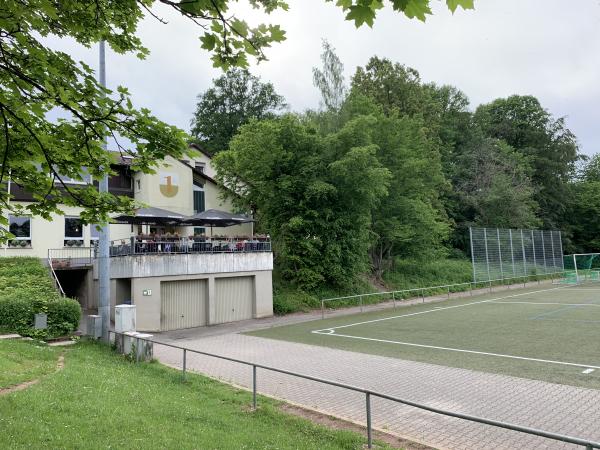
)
(551, 407)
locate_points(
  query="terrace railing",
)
(70, 257)
(368, 393)
(133, 246)
(445, 289)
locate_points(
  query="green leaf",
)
(361, 15)
(240, 27)
(277, 34)
(464, 4)
(417, 8)
(208, 41)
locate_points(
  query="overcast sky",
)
(546, 48)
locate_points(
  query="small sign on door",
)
(147, 292)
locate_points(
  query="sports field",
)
(549, 333)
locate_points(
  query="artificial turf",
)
(547, 322)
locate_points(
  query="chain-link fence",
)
(505, 253)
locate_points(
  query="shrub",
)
(27, 289)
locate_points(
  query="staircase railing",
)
(55, 277)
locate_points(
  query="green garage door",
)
(183, 304)
(234, 299)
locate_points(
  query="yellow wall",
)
(50, 234)
(149, 191)
(46, 234)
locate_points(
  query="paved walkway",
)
(551, 407)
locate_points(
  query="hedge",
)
(27, 289)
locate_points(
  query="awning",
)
(151, 216)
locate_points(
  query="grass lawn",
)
(541, 323)
(101, 400)
(22, 361)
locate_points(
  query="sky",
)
(546, 48)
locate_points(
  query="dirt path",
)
(60, 365)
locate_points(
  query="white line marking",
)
(586, 371)
(545, 303)
(463, 351)
(581, 289)
(436, 309)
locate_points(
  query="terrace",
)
(153, 244)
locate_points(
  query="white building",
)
(178, 277)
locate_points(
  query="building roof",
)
(201, 149)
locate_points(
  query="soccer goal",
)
(582, 267)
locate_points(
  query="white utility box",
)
(124, 318)
(135, 345)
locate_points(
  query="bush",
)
(289, 298)
(27, 289)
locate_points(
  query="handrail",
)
(55, 277)
(371, 393)
(472, 285)
(134, 246)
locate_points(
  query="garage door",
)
(234, 299)
(183, 304)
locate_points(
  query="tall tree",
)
(396, 87)
(35, 79)
(526, 126)
(330, 79)
(313, 194)
(495, 187)
(583, 209)
(235, 98)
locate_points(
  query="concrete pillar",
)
(212, 299)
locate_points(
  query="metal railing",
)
(588, 444)
(447, 289)
(55, 278)
(133, 246)
(70, 257)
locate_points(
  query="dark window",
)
(199, 167)
(198, 201)
(199, 231)
(20, 226)
(73, 228)
(121, 180)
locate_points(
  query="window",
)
(73, 232)
(199, 231)
(198, 199)
(86, 178)
(138, 185)
(20, 226)
(199, 166)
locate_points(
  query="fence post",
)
(254, 387)
(184, 362)
(137, 350)
(490, 285)
(423, 295)
(361, 304)
(448, 291)
(394, 299)
(369, 431)
(322, 309)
